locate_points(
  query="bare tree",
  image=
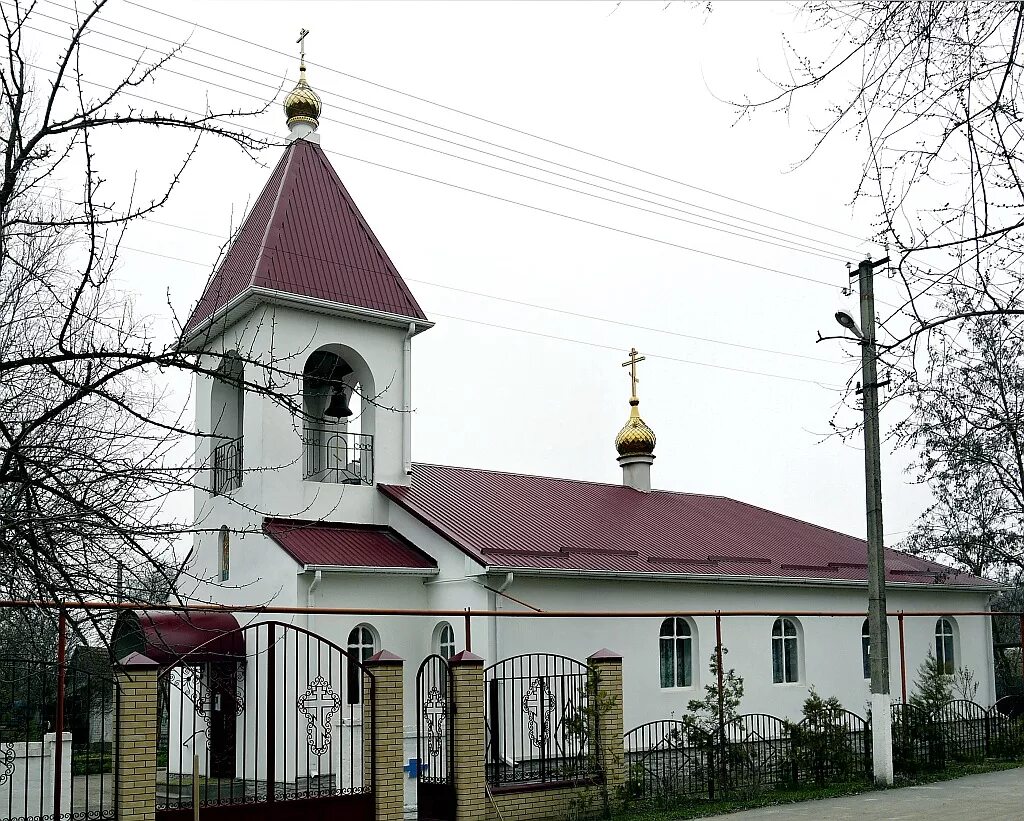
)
(968, 428)
(92, 446)
(932, 91)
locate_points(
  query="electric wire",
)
(557, 337)
(751, 234)
(493, 122)
(278, 86)
(250, 130)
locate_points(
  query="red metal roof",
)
(536, 522)
(344, 545)
(305, 236)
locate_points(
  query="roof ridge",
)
(558, 479)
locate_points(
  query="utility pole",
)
(878, 628)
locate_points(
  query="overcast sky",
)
(642, 84)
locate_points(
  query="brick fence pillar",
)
(135, 753)
(469, 736)
(611, 754)
(388, 737)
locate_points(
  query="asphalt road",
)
(990, 797)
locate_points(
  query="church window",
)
(676, 653)
(865, 648)
(444, 640)
(224, 553)
(362, 644)
(944, 653)
(785, 652)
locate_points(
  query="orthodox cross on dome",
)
(302, 48)
(634, 360)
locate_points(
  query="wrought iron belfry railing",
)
(540, 713)
(226, 466)
(337, 456)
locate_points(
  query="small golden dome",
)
(302, 105)
(635, 438)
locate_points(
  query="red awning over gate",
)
(166, 637)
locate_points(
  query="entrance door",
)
(435, 787)
(225, 707)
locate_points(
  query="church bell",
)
(338, 406)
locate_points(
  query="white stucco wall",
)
(830, 657)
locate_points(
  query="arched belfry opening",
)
(338, 421)
(227, 414)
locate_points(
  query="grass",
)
(705, 808)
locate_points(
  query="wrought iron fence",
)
(666, 759)
(833, 745)
(338, 456)
(291, 721)
(45, 774)
(958, 731)
(540, 713)
(226, 466)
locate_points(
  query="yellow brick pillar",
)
(469, 736)
(135, 753)
(611, 754)
(388, 737)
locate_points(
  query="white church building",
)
(323, 505)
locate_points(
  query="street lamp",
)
(878, 631)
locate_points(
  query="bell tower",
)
(306, 304)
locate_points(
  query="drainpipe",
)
(495, 601)
(311, 600)
(407, 399)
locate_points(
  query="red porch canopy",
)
(166, 637)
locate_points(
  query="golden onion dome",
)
(302, 105)
(635, 438)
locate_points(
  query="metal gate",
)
(435, 787)
(289, 723)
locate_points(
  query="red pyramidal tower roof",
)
(306, 238)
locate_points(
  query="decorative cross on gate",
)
(435, 710)
(319, 704)
(538, 705)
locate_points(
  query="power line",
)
(551, 336)
(468, 136)
(252, 130)
(496, 298)
(751, 234)
(493, 122)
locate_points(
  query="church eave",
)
(389, 571)
(252, 297)
(728, 578)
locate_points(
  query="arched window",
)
(944, 653)
(865, 648)
(444, 640)
(676, 653)
(224, 553)
(362, 643)
(785, 652)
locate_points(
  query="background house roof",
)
(344, 545)
(537, 522)
(305, 236)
